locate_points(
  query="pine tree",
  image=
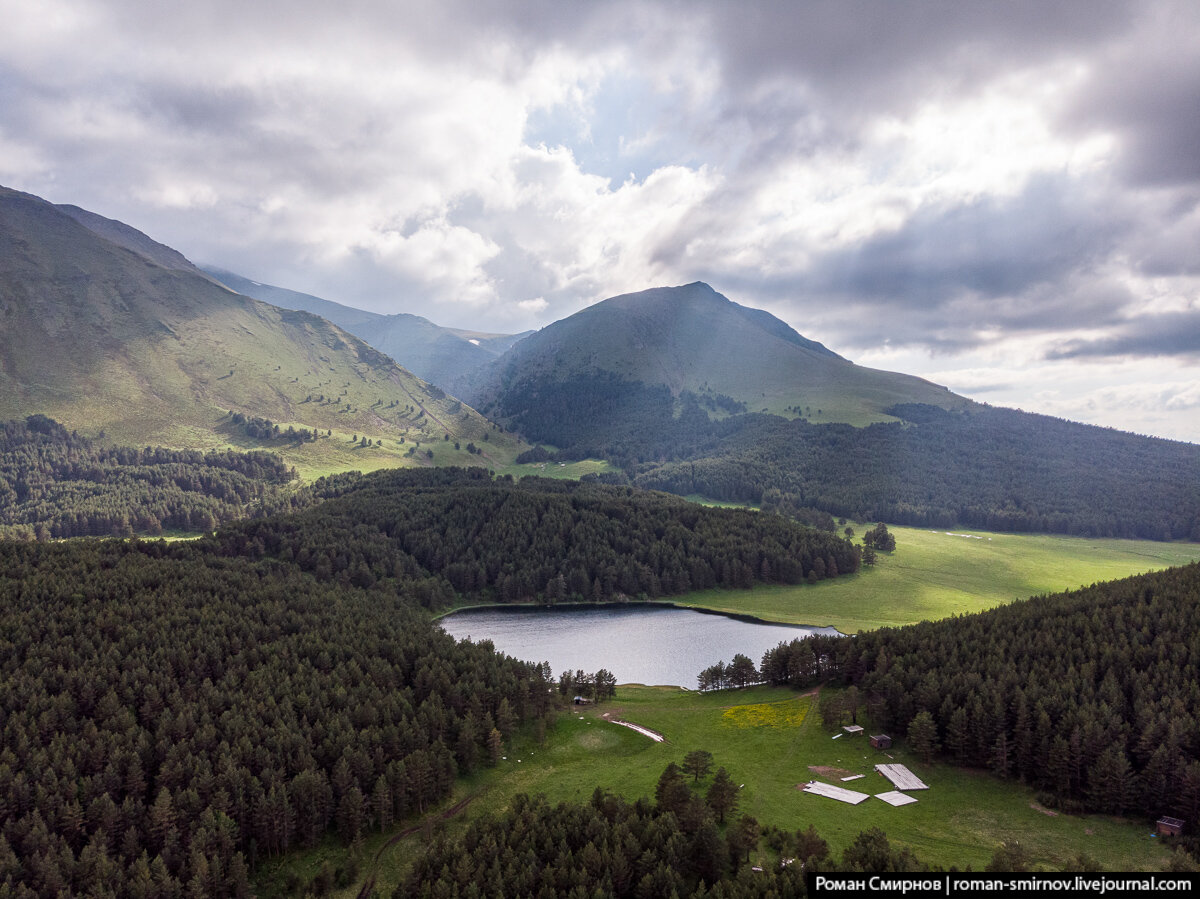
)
(722, 795)
(922, 735)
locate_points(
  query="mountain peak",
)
(665, 307)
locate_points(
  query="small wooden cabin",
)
(1169, 827)
(881, 741)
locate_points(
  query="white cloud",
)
(533, 306)
(982, 179)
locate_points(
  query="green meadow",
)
(935, 574)
(771, 741)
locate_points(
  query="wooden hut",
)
(1169, 827)
(881, 741)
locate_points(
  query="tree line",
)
(1090, 696)
(55, 484)
(175, 713)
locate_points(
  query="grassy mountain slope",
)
(692, 338)
(439, 355)
(103, 337)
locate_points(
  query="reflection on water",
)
(644, 644)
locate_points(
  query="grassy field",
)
(935, 575)
(769, 740)
(567, 470)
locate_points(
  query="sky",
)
(1001, 197)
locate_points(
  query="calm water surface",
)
(641, 644)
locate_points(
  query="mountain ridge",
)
(439, 355)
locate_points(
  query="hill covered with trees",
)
(984, 467)
(438, 534)
(693, 394)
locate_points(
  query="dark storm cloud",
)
(1147, 92)
(1171, 334)
(1023, 264)
(990, 247)
(868, 54)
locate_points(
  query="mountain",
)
(104, 329)
(693, 339)
(439, 355)
(694, 394)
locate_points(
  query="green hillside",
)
(103, 338)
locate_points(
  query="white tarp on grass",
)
(895, 798)
(829, 791)
(901, 777)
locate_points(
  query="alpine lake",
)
(642, 643)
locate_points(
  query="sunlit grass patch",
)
(789, 713)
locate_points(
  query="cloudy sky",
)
(1001, 197)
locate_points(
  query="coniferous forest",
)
(437, 534)
(612, 849)
(987, 467)
(174, 713)
(54, 483)
(1091, 696)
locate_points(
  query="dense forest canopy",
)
(984, 467)
(441, 534)
(1091, 696)
(55, 483)
(170, 716)
(173, 713)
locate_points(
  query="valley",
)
(111, 333)
(292, 711)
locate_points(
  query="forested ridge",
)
(55, 483)
(173, 713)
(985, 467)
(446, 534)
(988, 468)
(1092, 696)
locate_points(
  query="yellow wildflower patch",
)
(788, 713)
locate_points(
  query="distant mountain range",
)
(105, 329)
(442, 356)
